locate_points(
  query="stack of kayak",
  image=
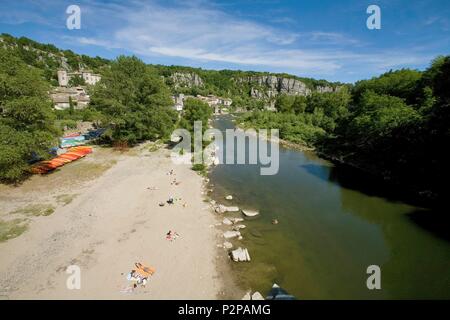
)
(71, 140)
(72, 154)
(77, 139)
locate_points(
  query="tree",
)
(76, 81)
(27, 129)
(134, 101)
(195, 110)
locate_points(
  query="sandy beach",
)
(107, 217)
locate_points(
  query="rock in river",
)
(227, 222)
(231, 234)
(222, 209)
(227, 245)
(257, 296)
(250, 213)
(240, 255)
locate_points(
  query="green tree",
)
(134, 102)
(195, 110)
(76, 81)
(27, 127)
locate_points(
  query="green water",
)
(333, 224)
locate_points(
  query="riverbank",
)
(103, 214)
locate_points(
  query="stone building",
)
(61, 98)
(88, 77)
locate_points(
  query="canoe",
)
(49, 165)
(72, 135)
(69, 156)
(81, 149)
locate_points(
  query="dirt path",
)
(113, 221)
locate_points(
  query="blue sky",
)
(322, 39)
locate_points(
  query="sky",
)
(322, 39)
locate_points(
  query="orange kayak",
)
(72, 154)
(81, 151)
(71, 157)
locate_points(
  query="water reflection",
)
(333, 224)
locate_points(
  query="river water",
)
(333, 224)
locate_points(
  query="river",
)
(333, 224)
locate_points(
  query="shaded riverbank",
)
(332, 227)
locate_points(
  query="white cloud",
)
(200, 32)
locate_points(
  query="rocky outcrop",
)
(186, 79)
(269, 86)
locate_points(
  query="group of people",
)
(172, 235)
(139, 277)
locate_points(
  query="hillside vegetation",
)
(395, 126)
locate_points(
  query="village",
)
(67, 95)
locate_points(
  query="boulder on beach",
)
(229, 197)
(240, 255)
(239, 227)
(250, 213)
(231, 234)
(227, 222)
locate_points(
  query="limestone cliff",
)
(269, 86)
(186, 79)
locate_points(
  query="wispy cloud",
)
(201, 31)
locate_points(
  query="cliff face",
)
(262, 87)
(270, 86)
(182, 79)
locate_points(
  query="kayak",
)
(72, 135)
(50, 165)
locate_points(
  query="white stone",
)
(240, 255)
(257, 296)
(227, 245)
(229, 197)
(227, 222)
(250, 213)
(239, 227)
(222, 209)
(236, 220)
(247, 296)
(231, 234)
